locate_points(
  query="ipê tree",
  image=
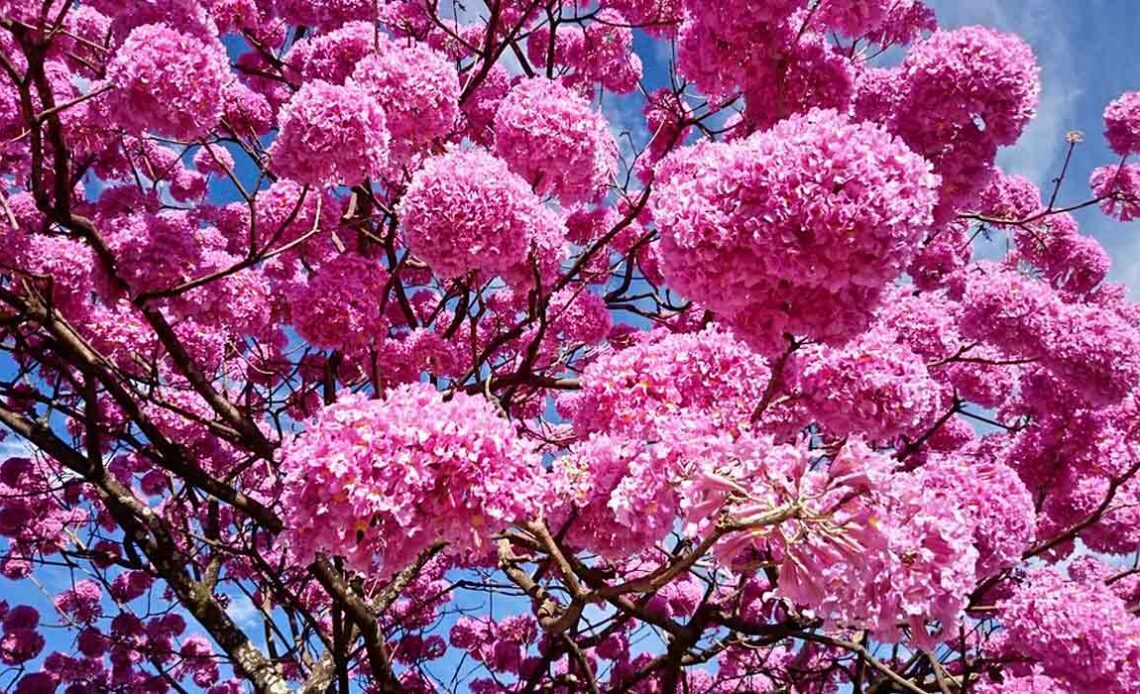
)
(405, 346)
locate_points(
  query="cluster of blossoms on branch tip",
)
(555, 345)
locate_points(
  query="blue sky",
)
(1089, 55)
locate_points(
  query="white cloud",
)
(242, 610)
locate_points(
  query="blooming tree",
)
(405, 346)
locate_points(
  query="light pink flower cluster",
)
(1077, 632)
(339, 307)
(872, 386)
(1120, 188)
(598, 53)
(419, 89)
(994, 499)
(1122, 124)
(378, 481)
(963, 94)
(466, 210)
(768, 51)
(807, 222)
(721, 46)
(1009, 197)
(331, 135)
(1094, 351)
(862, 547)
(333, 56)
(552, 138)
(708, 376)
(623, 492)
(157, 251)
(168, 81)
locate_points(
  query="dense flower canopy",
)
(642, 346)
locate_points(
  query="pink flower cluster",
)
(996, 502)
(325, 13)
(1075, 631)
(168, 81)
(963, 94)
(623, 492)
(1119, 186)
(82, 601)
(708, 377)
(1094, 351)
(331, 135)
(1122, 124)
(466, 210)
(598, 53)
(720, 46)
(339, 307)
(21, 640)
(333, 56)
(419, 89)
(863, 546)
(378, 481)
(551, 137)
(807, 222)
(872, 386)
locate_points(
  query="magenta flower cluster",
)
(381, 480)
(805, 226)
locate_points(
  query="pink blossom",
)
(1122, 124)
(551, 137)
(465, 210)
(871, 386)
(1079, 633)
(375, 481)
(419, 89)
(81, 601)
(168, 81)
(339, 306)
(1120, 188)
(332, 56)
(708, 376)
(833, 233)
(331, 135)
